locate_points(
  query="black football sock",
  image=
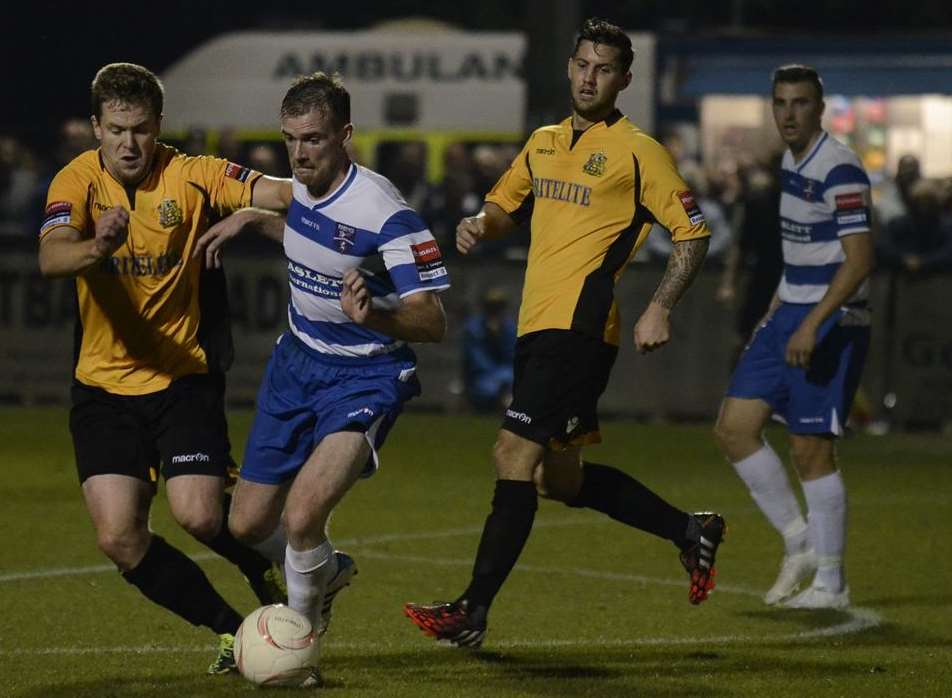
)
(169, 578)
(622, 497)
(504, 536)
(251, 563)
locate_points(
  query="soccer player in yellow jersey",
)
(153, 344)
(591, 187)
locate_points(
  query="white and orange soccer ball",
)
(276, 646)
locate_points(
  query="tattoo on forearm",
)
(683, 265)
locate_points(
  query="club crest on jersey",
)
(344, 237)
(170, 215)
(809, 190)
(596, 164)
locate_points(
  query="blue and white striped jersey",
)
(364, 223)
(825, 197)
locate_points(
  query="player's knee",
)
(125, 548)
(732, 439)
(201, 525)
(511, 461)
(538, 479)
(302, 522)
(245, 530)
(722, 434)
(556, 485)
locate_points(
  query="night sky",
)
(51, 50)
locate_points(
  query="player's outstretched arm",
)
(63, 252)
(653, 329)
(489, 224)
(272, 193)
(420, 317)
(267, 223)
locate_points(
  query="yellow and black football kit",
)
(592, 197)
(139, 310)
(150, 315)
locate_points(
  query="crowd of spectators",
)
(739, 200)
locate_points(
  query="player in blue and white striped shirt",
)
(364, 274)
(805, 360)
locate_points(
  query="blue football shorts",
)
(811, 401)
(305, 396)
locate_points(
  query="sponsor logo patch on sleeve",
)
(850, 201)
(238, 172)
(57, 213)
(852, 209)
(429, 261)
(690, 207)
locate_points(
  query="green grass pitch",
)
(592, 609)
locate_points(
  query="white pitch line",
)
(578, 572)
(857, 620)
(76, 571)
(369, 540)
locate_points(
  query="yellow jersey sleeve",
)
(66, 201)
(228, 184)
(665, 194)
(513, 192)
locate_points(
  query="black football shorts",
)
(559, 377)
(182, 429)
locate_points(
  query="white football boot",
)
(816, 597)
(794, 570)
(346, 571)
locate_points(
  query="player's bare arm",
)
(489, 224)
(420, 317)
(858, 265)
(63, 251)
(270, 195)
(653, 329)
(270, 224)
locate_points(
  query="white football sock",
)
(826, 504)
(274, 545)
(307, 573)
(765, 477)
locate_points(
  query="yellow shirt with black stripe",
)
(592, 197)
(150, 313)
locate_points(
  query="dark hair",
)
(127, 83)
(796, 72)
(600, 31)
(320, 91)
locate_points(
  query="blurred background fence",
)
(442, 104)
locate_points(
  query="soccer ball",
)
(276, 646)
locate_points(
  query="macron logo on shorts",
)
(191, 458)
(519, 416)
